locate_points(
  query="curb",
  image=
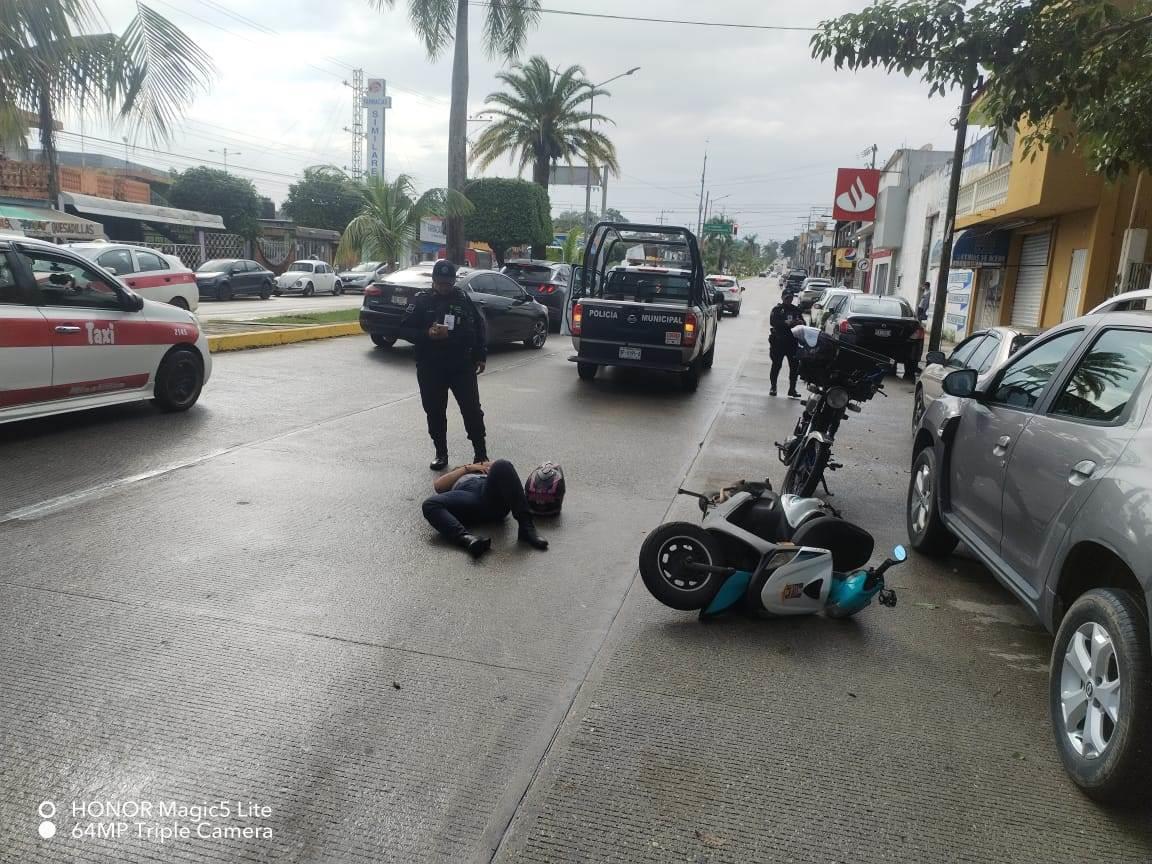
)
(268, 338)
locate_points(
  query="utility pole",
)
(950, 214)
(700, 211)
(224, 152)
(357, 128)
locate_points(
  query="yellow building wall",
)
(1073, 231)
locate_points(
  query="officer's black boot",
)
(480, 451)
(475, 546)
(441, 460)
(528, 534)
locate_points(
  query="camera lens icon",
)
(46, 809)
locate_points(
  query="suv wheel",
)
(1100, 695)
(926, 530)
(587, 371)
(690, 380)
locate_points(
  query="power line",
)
(647, 20)
(118, 144)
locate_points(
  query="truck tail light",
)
(373, 291)
(548, 288)
(846, 327)
(918, 334)
(577, 318)
(691, 324)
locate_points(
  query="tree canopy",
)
(211, 190)
(507, 212)
(1043, 61)
(389, 219)
(326, 197)
(568, 220)
(52, 61)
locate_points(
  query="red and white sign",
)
(856, 193)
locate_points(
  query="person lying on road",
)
(480, 492)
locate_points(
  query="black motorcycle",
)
(840, 378)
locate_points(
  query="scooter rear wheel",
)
(666, 551)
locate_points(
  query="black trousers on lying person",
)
(501, 493)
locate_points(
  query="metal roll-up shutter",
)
(1033, 276)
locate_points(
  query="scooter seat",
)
(851, 546)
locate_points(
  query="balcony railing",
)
(984, 193)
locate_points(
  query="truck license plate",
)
(883, 333)
(399, 300)
(629, 353)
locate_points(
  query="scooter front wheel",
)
(664, 565)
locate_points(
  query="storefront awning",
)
(977, 247)
(47, 224)
(94, 206)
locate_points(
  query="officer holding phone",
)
(451, 339)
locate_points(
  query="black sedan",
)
(546, 281)
(884, 325)
(510, 312)
(225, 278)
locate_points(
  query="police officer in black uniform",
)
(782, 343)
(451, 339)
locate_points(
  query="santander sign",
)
(856, 191)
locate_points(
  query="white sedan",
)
(73, 337)
(308, 278)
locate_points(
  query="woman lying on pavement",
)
(480, 492)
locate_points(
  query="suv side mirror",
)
(961, 383)
(935, 358)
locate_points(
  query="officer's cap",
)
(443, 271)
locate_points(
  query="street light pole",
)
(224, 153)
(588, 175)
(950, 214)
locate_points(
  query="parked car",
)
(819, 311)
(86, 340)
(811, 290)
(510, 312)
(732, 290)
(546, 281)
(983, 351)
(1129, 301)
(151, 274)
(362, 275)
(308, 278)
(884, 325)
(763, 274)
(1043, 470)
(225, 278)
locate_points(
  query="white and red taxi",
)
(151, 274)
(73, 337)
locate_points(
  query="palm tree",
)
(49, 63)
(543, 118)
(389, 221)
(440, 22)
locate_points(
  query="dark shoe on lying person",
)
(475, 546)
(528, 535)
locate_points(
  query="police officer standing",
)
(782, 343)
(450, 335)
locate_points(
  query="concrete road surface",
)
(230, 636)
(246, 310)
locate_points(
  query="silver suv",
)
(1044, 470)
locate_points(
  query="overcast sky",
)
(776, 123)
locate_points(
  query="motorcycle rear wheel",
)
(666, 549)
(806, 469)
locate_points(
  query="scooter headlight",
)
(838, 398)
